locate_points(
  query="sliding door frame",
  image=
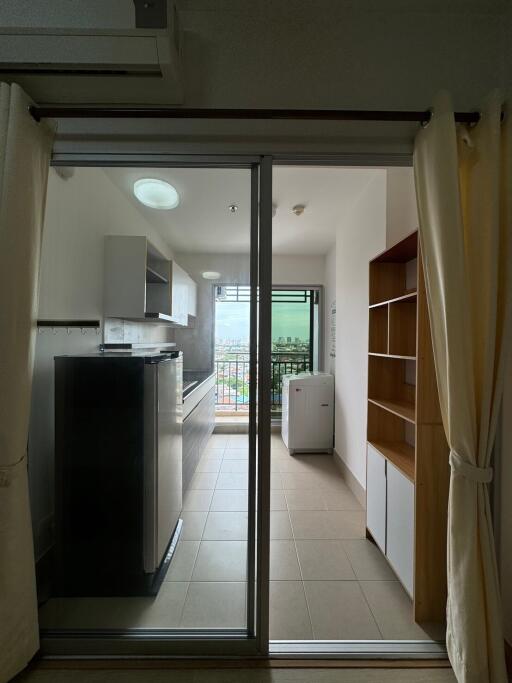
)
(252, 641)
(255, 641)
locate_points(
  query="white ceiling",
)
(203, 223)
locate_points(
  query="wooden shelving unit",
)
(408, 473)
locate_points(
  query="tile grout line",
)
(300, 568)
(199, 546)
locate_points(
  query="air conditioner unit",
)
(82, 66)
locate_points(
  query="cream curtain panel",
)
(464, 193)
(25, 149)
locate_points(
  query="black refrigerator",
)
(118, 471)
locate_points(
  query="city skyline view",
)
(288, 320)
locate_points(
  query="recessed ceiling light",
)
(211, 275)
(157, 194)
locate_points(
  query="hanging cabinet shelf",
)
(142, 284)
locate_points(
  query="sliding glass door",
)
(207, 593)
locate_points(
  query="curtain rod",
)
(71, 112)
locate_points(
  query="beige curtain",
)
(25, 148)
(464, 192)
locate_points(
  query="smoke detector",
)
(298, 209)
(233, 208)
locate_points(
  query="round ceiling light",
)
(211, 275)
(157, 194)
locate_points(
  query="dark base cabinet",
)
(197, 429)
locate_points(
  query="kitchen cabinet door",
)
(400, 526)
(192, 297)
(180, 294)
(376, 497)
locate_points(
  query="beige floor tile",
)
(275, 464)
(305, 499)
(215, 605)
(279, 451)
(229, 501)
(284, 565)
(341, 499)
(288, 611)
(193, 524)
(217, 441)
(203, 481)
(210, 463)
(392, 609)
(367, 561)
(221, 561)
(324, 561)
(238, 441)
(277, 501)
(226, 526)
(232, 480)
(183, 561)
(164, 611)
(236, 454)
(280, 527)
(197, 500)
(339, 611)
(229, 466)
(300, 481)
(290, 464)
(276, 483)
(330, 525)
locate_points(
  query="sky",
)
(288, 320)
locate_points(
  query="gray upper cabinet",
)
(142, 284)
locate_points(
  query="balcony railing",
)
(232, 379)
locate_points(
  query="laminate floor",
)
(287, 675)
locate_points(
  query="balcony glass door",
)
(294, 336)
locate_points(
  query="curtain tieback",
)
(481, 475)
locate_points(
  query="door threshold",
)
(358, 649)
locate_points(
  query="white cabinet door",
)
(192, 297)
(179, 294)
(400, 526)
(376, 497)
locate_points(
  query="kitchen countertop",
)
(193, 379)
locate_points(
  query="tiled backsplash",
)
(124, 331)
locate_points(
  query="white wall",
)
(401, 209)
(298, 270)
(380, 55)
(329, 300)
(361, 235)
(79, 212)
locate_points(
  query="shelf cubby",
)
(378, 330)
(388, 389)
(402, 327)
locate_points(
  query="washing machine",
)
(308, 412)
